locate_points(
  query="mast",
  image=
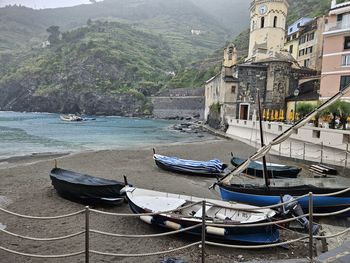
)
(265, 174)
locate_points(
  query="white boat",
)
(217, 212)
(70, 117)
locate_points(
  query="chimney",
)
(333, 4)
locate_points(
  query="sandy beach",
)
(26, 189)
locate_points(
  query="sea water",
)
(39, 133)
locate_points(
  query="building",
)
(267, 28)
(292, 39)
(310, 44)
(336, 51)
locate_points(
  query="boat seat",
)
(199, 212)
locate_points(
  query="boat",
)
(70, 117)
(86, 189)
(274, 170)
(191, 167)
(217, 212)
(264, 195)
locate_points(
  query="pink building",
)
(336, 51)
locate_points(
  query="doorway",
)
(244, 111)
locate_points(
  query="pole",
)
(203, 231)
(290, 149)
(265, 174)
(321, 152)
(304, 151)
(87, 223)
(295, 110)
(279, 149)
(346, 155)
(311, 227)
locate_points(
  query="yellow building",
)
(267, 29)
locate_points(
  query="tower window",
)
(291, 49)
(347, 43)
(262, 22)
(275, 21)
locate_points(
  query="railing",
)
(87, 251)
(337, 26)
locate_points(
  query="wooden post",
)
(87, 241)
(346, 155)
(203, 232)
(304, 151)
(321, 152)
(290, 149)
(311, 227)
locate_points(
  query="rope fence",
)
(202, 222)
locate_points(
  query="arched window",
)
(262, 22)
(275, 21)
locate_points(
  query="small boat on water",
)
(70, 117)
(174, 164)
(274, 170)
(86, 189)
(217, 212)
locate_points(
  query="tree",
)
(54, 35)
(339, 109)
(304, 108)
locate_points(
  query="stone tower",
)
(230, 55)
(267, 28)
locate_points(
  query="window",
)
(275, 21)
(298, 25)
(345, 60)
(311, 36)
(339, 17)
(262, 22)
(301, 52)
(290, 30)
(306, 63)
(344, 81)
(310, 49)
(294, 36)
(302, 39)
(291, 49)
(233, 89)
(347, 43)
(288, 39)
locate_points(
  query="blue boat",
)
(265, 196)
(225, 214)
(274, 170)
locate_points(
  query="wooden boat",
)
(191, 167)
(71, 117)
(274, 170)
(86, 189)
(217, 211)
(263, 195)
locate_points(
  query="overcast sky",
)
(38, 4)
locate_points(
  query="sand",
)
(26, 188)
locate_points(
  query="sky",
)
(39, 4)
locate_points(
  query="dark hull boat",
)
(262, 196)
(273, 170)
(209, 168)
(217, 211)
(86, 189)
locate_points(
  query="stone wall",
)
(179, 103)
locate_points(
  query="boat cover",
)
(212, 166)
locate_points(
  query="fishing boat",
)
(86, 189)
(264, 195)
(191, 167)
(216, 212)
(70, 117)
(274, 170)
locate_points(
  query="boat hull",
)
(261, 196)
(273, 171)
(86, 189)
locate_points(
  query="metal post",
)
(304, 151)
(279, 150)
(290, 149)
(311, 227)
(321, 152)
(87, 227)
(203, 232)
(346, 155)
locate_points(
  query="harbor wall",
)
(308, 143)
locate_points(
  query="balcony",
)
(337, 27)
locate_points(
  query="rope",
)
(255, 246)
(334, 193)
(334, 235)
(42, 256)
(333, 213)
(146, 236)
(145, 254)
(145, 214)
(42, 218)
(42, 239)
